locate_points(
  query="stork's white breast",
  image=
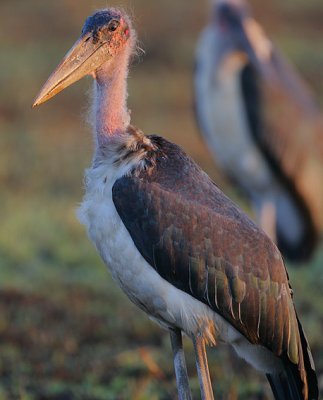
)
(142, 284)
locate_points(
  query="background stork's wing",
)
(291, 128)
(199, 241)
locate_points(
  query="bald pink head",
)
(234, 3)
(103, 51)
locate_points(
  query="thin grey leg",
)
(183, 387)
(203, 368)
(267, 218)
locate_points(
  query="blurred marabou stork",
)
(262, 126)
(177, 246)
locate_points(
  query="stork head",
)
(239, 30)
(230, 13)
(105, 35)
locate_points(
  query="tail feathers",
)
(296, 382)
(285, 386)
(312, 384)
(296, 234)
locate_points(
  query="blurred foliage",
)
(66, 330)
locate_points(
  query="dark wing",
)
(262, 130)
(288, 127)
(200, 242)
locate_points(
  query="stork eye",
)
(113, 25)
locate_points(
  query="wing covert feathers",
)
(201, 243)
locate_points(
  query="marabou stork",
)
(262, 126)
(177, 246)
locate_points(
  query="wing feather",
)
(200, 242)
(287, 125)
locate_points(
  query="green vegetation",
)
(66, 330)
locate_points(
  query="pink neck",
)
(110, 107)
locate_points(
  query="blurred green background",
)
(66, 331)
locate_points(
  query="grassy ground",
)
(66, 331)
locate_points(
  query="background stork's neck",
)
(110, 98)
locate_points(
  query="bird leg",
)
(183, 387)
(267, 219)
(203, 368)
